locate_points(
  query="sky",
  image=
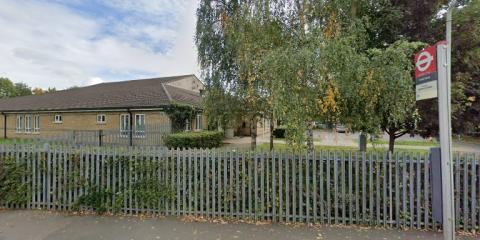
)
(65, 43)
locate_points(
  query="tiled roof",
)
(145, 93)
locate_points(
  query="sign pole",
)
(444, 111)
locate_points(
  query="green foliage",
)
(51, 90)
(22, 89)
(178, 115)
(279, 132)
(347, 62)
(230, 53)
(221, 107)
(145, 187)
(391, 73)
(95, 198)
(216, 59)
(7, 89)
(13, 190)
(466, 69)
(204, 139)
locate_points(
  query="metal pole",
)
(4, 125)
(446, 130)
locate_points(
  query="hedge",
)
(204, 139)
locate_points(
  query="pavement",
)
(33, 224)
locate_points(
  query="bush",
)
(279, 132)
(204, 139)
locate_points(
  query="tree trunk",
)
(253, 133)
(271, 131)
(391, 142)
(310, 145)
(363, 142)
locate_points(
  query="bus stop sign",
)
(426, 74)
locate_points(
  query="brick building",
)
(126, 107)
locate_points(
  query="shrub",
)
(204, 139)
(13, 188)
(279, 132)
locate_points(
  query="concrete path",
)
(25, 225)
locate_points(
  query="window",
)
(188, 126)
(124, 125)
(101, 119)
(140, 125)
(19, 123)
(36, 123)
(27, 124)
(198, 122)
(58, 119)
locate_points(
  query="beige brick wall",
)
(189, 83)
(2, 125)
(78, 121)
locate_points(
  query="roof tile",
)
(126, 94)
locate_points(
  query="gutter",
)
(79, 110)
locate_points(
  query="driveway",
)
(25, 225)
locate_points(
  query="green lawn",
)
(425, 143)
(3, 140)
(284, 147)
(467, 139)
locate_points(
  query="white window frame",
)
(124, 125)
(198, 122)
(19, 126)
(28, 124)
(140, 123)
(101, 119)
(188, 125)
(36, 123)
(58, 118)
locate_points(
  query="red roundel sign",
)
(426, 62)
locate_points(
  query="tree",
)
(230, 54)
(465, 68)
(254, 87)
(322, 60)
(50, 90)
(22, 89)
(297, 88)
(179, 115)
(7, 88)
(216, 60)
(391, 70)
(73, 87)
(420, 21)
(315, 61)
(37, 91)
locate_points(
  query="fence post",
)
(46, 177)
(100, 137)
(74, 138)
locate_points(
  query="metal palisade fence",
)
(333, 187)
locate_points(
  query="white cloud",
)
(48, 44)
(153, 7)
